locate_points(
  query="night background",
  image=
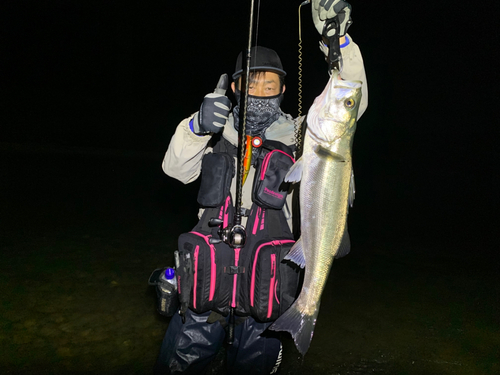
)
(91, 93)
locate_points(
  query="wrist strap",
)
(346, 43)
(191, 126)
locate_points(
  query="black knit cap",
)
(261, 58)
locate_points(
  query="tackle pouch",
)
(217, 171)
(198, 277)
(269, 188)
(272, 281)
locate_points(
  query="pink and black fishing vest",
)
(254, 279)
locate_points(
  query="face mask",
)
(261, 113)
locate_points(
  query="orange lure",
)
(247, 161)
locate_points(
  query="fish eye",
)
(349, 103)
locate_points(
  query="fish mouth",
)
(340, 83)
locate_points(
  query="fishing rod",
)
(235, 235)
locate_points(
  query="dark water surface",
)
(81, 232)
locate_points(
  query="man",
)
(194, 337)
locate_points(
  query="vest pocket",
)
(272, 281)
(198, 277)
(269, 188)
(217, 171)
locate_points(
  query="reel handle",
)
(213, 222)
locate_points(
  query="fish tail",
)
(299, 324)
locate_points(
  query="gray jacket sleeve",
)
(354, 70)
(185, 152)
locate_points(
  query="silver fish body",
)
(325, 172)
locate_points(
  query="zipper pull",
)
(273, 266)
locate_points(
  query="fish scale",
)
(324, 170)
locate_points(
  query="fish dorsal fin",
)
(323, 152)
(295, 173)
(296, 254)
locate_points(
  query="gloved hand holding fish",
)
(325, 173)
(324, 10)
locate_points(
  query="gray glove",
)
(214, 110)
(323, 10)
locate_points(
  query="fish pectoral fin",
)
(296, 254)
(345, 245)
(352, 189)
(295, 173)
(323, 152)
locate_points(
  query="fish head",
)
(334, 112)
